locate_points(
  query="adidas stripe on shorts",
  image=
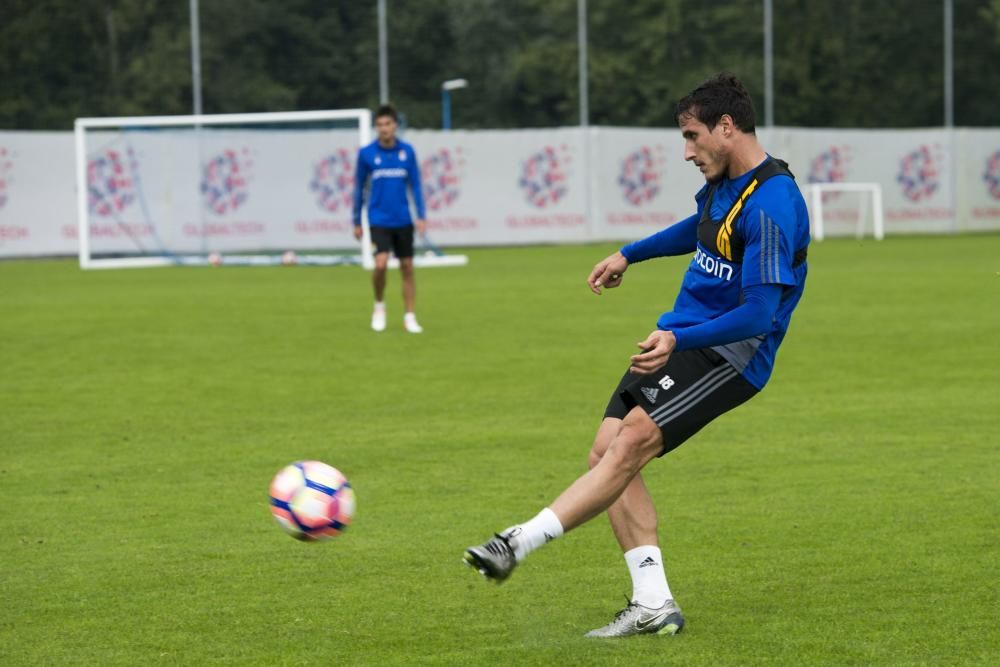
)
(694, 387)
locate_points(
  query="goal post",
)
(869, 197)
(248, 189)
(180, 190)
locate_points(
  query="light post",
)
(446, 88)
(768, 64)
(195, 58)
(383, 54)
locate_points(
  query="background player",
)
(713, 351)
(392, 165)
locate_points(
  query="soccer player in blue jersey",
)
(711, 352)
(392, 165)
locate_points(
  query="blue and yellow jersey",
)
(749, 231)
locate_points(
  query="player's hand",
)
(358, 232)
(607, 273)
(421, 226)
(656, 349)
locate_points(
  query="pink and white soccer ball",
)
(312, 501)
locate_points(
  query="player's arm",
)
(360, 177)
(678, 239)
(413, 174)
(755, 316)
(767, 270)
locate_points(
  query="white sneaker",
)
(378, 318)
(410, 323)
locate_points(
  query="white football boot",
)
(378, 317)
(410, 323)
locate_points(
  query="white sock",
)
(532, 534)
(649, 581)
(380, 306)
(410, 316)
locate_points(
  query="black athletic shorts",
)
(694, 387)
(397, 239)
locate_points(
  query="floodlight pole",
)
(581, 39)
(949, 104)
(195, 59)
(949, 73)
(383, 55)
(768, 64)
(583, 76)
(446, 88)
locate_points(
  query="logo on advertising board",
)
(919, 173)
(333, 182)
(641, 173)
(544, 176)
(441, 174)
(110, 185)
(12, 232)
(830, 166)
(225, 181)
(6, 167)
(991, 176)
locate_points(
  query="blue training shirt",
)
(391, 170)
(774, 224)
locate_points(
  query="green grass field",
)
(846, 516)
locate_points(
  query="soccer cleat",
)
(494, 558)
(378, 319)
(635, 619)
(410, 323)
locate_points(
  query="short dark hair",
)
(387, 110)
(723, 94)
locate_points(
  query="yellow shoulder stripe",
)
(723, 240)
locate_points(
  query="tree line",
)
(836, 64)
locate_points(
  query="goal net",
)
(231, 189)
(842, 209)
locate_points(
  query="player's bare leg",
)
(637, 442)
(378, 275)
(378, 283)
(621, 449)
(409, 285)
(409, 295)
(634, 522)
(633, 515)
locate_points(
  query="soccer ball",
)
(312, 501)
